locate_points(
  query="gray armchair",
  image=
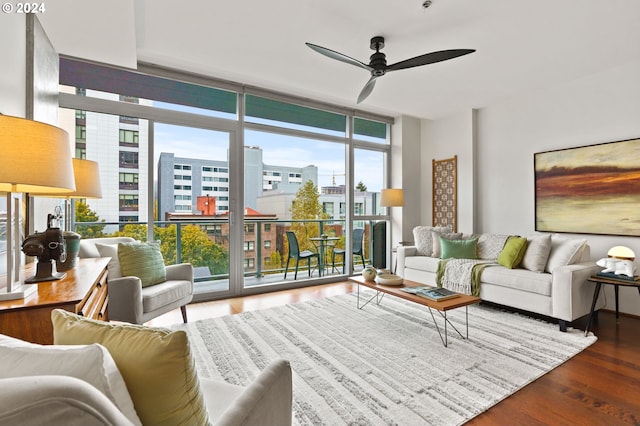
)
(128, 300)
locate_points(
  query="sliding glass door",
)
(192, 202)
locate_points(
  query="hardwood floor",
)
(599, 386)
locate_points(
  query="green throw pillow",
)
(142, 260)
(458, 249)
(513, 252)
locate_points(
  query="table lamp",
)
(392, 197)
(86, 174)
(36, 157)
(622, 253)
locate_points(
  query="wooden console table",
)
(83, 291)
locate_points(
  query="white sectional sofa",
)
(100, 373)
(549, 279)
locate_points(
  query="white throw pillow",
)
(423, 239)
(111, 250)
(490, 246)
(91, 363)
(564, 251)
(537, 254)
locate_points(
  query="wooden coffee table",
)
(441, 307)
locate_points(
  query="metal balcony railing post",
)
(178, 243)
(258, 250)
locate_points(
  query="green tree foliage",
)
(196, 247)
(276, 259)
(306, 206)
(84, 214)
(361, 187)
(199, 250)
(135, 231)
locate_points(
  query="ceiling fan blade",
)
(367, 89)
(429, 58)
(338, 56)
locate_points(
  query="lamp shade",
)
(621, 252)
(87, 178)
(35, 157)
(392, 197)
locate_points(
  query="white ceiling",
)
(522, 46)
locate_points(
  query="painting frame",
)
(590, 189)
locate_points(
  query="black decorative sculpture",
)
(48, 246)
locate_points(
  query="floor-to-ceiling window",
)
(223, 174)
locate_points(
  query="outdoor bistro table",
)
(322, 244)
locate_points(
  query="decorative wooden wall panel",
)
(445, 193)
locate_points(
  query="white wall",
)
(13, 78)
(443, 139)
(598, 108)
(406, 168)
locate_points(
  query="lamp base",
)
(18, 292)
(44, 272)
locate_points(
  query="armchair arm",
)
(125, 299)
(401, 253)
(52, 400)
(571, 293)
(267, 401)
(181, 271)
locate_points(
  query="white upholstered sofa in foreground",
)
(100, 373)
(550, 279)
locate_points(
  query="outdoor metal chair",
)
(295, 253)
(357, 249)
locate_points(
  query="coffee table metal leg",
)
(375, 296)
(445, 340)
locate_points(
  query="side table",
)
(598, 280)
(83, 291)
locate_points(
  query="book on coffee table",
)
(432, 293)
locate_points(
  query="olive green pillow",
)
(458, 249)
(142, 260)
(156, 365)
(513, 252)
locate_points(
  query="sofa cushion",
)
(458, 249)
(156, 365)
(537, 253)
(519, 279)
(88, 245)
(142, 260)
(490, 246)
(513, 252)
(90, 363)
(110, 250)
(424, 240)
(422, 263)
(564, 251)
(159, 295)
(435, 237)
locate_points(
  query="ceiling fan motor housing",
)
(378, 61)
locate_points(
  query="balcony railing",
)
(205, 244)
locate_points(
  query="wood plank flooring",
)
(599, 386)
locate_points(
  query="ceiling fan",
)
(378, 62)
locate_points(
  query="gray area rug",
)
(385, 364)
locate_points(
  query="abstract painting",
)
(592, 189)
